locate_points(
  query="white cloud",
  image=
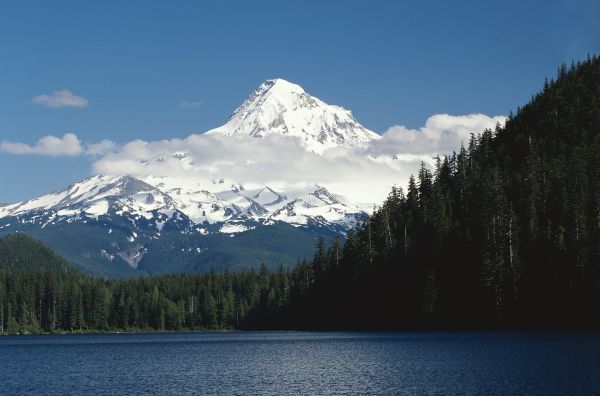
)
(364, 174)
(62, 98)
(190, 105)
(441, 134)
(68, 145)
(101, 148)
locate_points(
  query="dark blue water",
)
(293, 363)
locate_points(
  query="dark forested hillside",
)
(505, 232)
(21, 251)
(41, 292)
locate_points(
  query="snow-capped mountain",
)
(122, 225)
(280, 107)
(218, 203)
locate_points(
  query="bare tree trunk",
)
(370, 245)
(405, 242)
(510, 254)
(53, 326)
(510, 248)
(389, 231)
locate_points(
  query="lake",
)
(292, 363)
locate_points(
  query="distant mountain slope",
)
(127, 226)
(21, 251)
(163, 197)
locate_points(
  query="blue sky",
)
(391, 62)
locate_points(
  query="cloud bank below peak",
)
(441, 134)
(364, 173)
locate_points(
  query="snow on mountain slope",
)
(280, 107)
(94, 196)
(160, 198)
(277, 107)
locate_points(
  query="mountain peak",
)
(281, 85)
(280, 107)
